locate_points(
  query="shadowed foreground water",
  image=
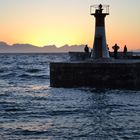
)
(31, 110)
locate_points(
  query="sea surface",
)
(32, 110)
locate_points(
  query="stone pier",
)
(119, 74)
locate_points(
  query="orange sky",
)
(48, 22)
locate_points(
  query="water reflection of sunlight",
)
(36, 87)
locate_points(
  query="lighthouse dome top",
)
(99, 9)
(100, 6)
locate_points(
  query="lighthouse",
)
(100, 48)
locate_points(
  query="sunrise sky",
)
(60, 22)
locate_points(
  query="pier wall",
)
(80, 56)
(98, 75)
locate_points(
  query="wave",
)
(2, 70)
(33, 70)
(28, 75)
(8, 75)
(13, 109)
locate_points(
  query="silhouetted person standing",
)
(125, 51)
(115, 48)
(86, 49)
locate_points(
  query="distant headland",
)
(29, 48)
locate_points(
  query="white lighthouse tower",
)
(100, 49)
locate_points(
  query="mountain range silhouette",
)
(28, 48)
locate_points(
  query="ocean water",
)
(32, 110)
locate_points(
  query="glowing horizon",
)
(49, 22)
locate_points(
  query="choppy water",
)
(31, 110)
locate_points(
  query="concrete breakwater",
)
(82, 56)
(118, 74)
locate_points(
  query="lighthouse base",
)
(113, 74)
